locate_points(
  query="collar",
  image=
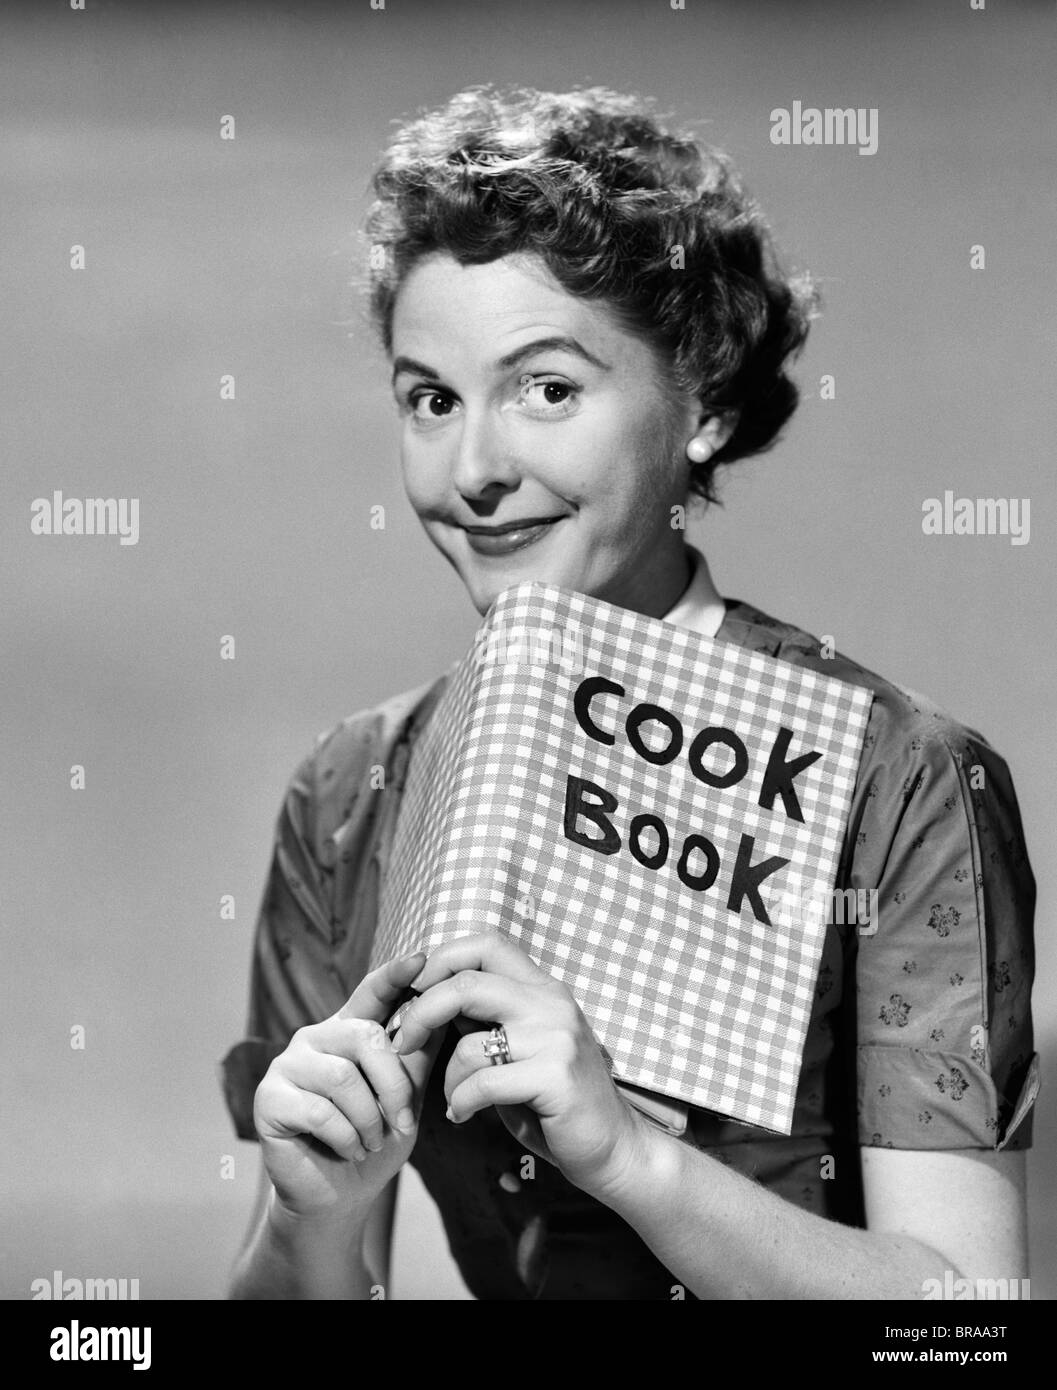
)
(700, 608)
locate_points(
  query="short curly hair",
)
(620, 210)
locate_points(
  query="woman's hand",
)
(555, 1095)
(337, 1112)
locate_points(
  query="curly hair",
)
(620, 210)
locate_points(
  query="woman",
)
(584, 320)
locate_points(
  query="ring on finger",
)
(496, 1046)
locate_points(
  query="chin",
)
(483, 595)
(485, 582)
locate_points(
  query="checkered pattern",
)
(686, 997)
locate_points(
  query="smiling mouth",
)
(515, 535)
(524, 525)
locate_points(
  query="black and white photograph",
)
(528, 717)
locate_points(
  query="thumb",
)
(377, 992)
(418, 1065)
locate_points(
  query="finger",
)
(354, 1038)
(343, 1051)
(469, 1056)
(295, 1112)
(517, 1083)
(524, 1125)
(420, 1064)
(377, 992)
(336, 1076)
(333, 1053)
(390, 1082)
(470, 992)
(358, 1103)
(483, 951)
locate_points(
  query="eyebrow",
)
(556, 343)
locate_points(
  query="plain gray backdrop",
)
(206, 257)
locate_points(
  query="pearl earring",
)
(697, 450)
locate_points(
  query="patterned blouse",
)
(920, 1036)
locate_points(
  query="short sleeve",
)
(319, 909)
(293, 981)
(944, 970)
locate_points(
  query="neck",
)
(666, 588)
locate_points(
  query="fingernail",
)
(375, 1145)
(450, 1116)
(397, 1039)
(405, 1121)
(359, 1153)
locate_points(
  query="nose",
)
(483, 462)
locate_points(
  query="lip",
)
(515, 535)
(522, 524)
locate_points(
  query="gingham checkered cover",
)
(686, 997)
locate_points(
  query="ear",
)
(713, 432)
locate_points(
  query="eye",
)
(547, 395)
(430, 405)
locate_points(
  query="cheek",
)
(664, 446)
(620, 456)
(628, 487)
(648, 454)
(420, 482)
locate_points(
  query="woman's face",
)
(521, 403)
